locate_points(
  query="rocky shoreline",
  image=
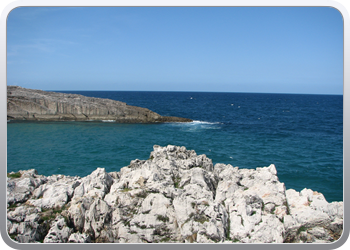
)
(176, 196)
(38, 105)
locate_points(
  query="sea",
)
(301, 134)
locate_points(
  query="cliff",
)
(29, 104)
(176, 196)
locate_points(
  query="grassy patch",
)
(12, 206)
(14, 175)
(273, 211)
(223, 203)
(160, 231)
(201, 219)
(126, 223)
(228, 229)
(59, 209)
(51, 213)
(46, 217)
(13, 236)
(165, 239)
(286, 204)
(142, 194)
(176, 181)
(142, 226)
(153, 191)
(162, 218)
(301, 229)
(126, 189)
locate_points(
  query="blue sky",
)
(222, 49)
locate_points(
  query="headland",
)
(38, 105)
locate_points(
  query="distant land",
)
(38, 105)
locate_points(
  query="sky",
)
(215, 49)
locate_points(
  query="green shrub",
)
(12, 206)
(14, 175)
(228, 229)
(51, 213)
(13, 236)
(301, 229)
(126, 223)
(201, 219)
(162, 218)
(165, 239)
(176, 181)
(142, 194)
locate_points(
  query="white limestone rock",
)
(59, 232)
(98, 215)
(79, 238)
(54, 193)
(20, 189)
(174, 196)
(77, 210)
(96, 184)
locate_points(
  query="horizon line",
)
(186, 91)
(192, 91)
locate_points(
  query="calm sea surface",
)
(301, 134)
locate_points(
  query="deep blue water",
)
(301, 134)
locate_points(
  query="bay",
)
(301, 134)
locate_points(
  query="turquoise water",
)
(300, 134)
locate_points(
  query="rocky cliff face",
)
(29, 104)
(174, 196)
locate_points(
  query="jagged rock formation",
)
(174, 196)
(38, 105)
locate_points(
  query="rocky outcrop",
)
(37, 105)
(176, 196)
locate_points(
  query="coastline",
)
(38, 105)
(174, 196)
